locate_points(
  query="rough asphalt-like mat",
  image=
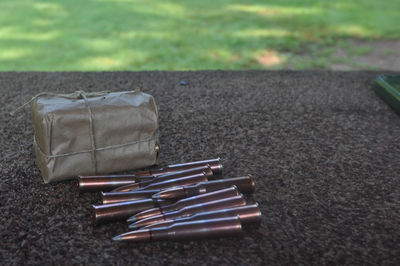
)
(323, 148)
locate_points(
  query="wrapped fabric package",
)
(94, 133)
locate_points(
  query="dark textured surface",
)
(324, 149)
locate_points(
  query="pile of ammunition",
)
(175, 202)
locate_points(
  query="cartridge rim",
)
(220, 165)
(93, 215)
(252, 182)
(208, 171)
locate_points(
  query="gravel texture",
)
(323, 148)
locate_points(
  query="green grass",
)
(183, 35)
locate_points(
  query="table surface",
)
(323, 148)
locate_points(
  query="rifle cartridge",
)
(248, 215)
(192, 230)
(215, 165)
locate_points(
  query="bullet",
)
(248, 215)
(114, 197)
(184, 173)
(215, 165)
(104, 183)
(207, 197)
(183, 181)
(245, 184)
(123, 210)
(193, 230)
(191, 210)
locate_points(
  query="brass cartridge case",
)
(104, 183)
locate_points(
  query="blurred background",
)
(192, 35)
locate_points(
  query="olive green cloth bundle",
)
(388, 88)
(94, 133)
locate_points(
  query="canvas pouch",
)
(94, 133)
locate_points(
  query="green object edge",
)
(387, 92)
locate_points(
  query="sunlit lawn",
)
(187, 34)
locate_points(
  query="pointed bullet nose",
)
(132, 226)
(117, 238)
(156, 196)
(131, 219)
